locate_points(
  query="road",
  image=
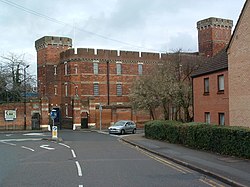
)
(87, 159)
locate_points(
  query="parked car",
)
(122, 127)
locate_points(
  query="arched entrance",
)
(84, 120)
(35, 121)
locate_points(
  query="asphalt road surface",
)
(87, 159)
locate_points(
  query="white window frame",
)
(76, 69)
(222, 118)
(95, 68)
(207, 117)
(206, 86)
(118, 68)
(55, 69)
(55, 89)
(119, 89)
(96, 86)
(140, 68)
(221, 83)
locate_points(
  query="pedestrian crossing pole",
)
(53, 115)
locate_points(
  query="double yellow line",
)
(175, 166)
(165, 162)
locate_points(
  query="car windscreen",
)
(119, 123)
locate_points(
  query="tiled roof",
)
(213, 64)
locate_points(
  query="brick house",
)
(238, 68)
(221, 84)
(210, 81)
(210, 91)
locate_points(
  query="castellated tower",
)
(48, 72)
(213, 35)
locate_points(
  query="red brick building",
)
(210, 91)
(94, 76)
(87, 78)
(210, 81)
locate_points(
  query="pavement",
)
(230, 170)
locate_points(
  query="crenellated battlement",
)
(214, 22)
(52, 40)
(88, 53)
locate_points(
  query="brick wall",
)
(213, 102)
(32, 107)
(239, 74)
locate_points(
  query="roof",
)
(216, 63)
(237, 24)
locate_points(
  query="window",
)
(65, 68)
(206, 86)
(221, 119)
(119, 89)
(76, 91)
(207, 117)
(95, 67)
(76, 70)
(221, 83)
(66, 109)
(96, 89)
(140, 69)
(55, 70)
(55, 89)
(118, 68)
(66, 90)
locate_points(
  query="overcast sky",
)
(134, 25)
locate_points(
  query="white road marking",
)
(73, 153)
(20, 140)
(8, 143)
(47, 147)
(79, 169)
(8, 135)
(64, 145)
(80, 185)
(28, 148)
(35, 134)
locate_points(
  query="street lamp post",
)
(25, 96)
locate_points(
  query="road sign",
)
(54, 132)
(10, 115)
(53, 114)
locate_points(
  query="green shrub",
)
(232, 141)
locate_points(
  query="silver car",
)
(122, 127)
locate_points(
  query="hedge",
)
(233, 141)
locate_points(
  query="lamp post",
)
(25, 96)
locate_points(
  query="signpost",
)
(100, 108)
(53, 115)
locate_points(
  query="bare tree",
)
(12, 76)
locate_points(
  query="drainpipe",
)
(108, 82)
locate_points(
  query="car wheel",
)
(134, 131)
(122, 132)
